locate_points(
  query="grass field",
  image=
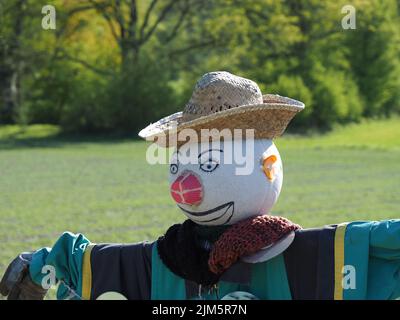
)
(105, 189)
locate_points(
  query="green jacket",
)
(358, 260)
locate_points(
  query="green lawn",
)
(105, 189)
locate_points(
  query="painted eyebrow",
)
(209, 150)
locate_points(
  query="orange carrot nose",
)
(187, 189)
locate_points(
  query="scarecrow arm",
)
(369, 260)
(385, 240)
(384, 262)
(31, 274)
(61, 264)
(82, 270)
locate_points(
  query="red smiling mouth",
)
(219, 212)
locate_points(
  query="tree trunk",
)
(11, 69)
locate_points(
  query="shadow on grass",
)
(61, 140)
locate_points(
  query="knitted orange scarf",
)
(245, 238)
(201, 254)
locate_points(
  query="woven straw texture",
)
(220, 101)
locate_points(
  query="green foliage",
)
(295, 88)
(122, 102)
(116, 66)
(49, 91)
(336, 97)
(375, 56)
(140, 94)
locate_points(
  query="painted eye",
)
(209, 165)
(173, 168)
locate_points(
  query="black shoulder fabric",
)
(309, 264)
(124, 268)
(326, 263)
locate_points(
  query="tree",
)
(11, 64)
(375, 55)
(133, 27)
(119, 64)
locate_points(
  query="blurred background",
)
(75, 91)
(114, 66)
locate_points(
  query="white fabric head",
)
(223, 183)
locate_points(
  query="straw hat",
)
(221, 100)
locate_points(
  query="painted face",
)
(226, 182)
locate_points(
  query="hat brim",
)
(269, 120)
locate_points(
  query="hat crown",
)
(218, 91)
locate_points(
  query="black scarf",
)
(183, 249)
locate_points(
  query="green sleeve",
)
(384, 262)
(65, 258)
(373, 250)
(385, 240)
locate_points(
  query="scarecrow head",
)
(229, 182)
(225, 167)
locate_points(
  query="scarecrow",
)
(230, 247)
